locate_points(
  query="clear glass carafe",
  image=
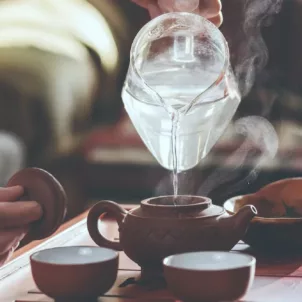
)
(179, 92)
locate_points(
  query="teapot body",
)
(148, 240)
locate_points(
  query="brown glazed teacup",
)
(74, 273)
(209, 276)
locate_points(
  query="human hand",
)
(210, 9)
(15, 218)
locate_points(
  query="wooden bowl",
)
(276, 234)
(209, 276)
(74, 273)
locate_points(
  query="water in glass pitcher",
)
(197, 130)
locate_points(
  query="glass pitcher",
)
(179, 91)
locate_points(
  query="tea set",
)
(190, 241)
(186, 240)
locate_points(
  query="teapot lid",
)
(42, 187)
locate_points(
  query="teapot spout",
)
(243, 218)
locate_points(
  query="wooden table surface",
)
(276, 280)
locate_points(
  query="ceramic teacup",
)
(75, 272)
(209, 276)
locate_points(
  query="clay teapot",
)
(159, 228)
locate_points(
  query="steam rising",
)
(260, 135)
(253, 53)
(258, 132)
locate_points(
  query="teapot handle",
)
(97, 210)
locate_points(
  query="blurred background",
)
(62, 67)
